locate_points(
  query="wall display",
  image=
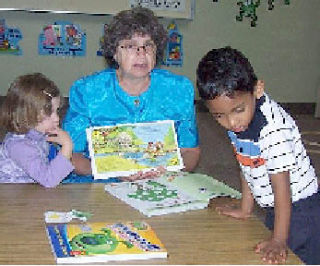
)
(100, 51)
(9, 39)
(62, 39)
(174, 51)
(183, 9)
(176, 5)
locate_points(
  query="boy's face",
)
(234, 112)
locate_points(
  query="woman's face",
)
(136, 57)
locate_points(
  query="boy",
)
(275, 169)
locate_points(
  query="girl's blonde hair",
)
(28, 97)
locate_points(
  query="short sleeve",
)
(278, 147)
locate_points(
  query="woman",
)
(131, 90)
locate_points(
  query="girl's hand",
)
(147, 175)
(62, 138)
(273, 251)
(59, 136)
(233, 211)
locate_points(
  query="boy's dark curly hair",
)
(223, 72)
(129, 22)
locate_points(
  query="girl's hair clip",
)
(47, 93)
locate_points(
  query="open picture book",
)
(172, 192)
(102, 242)
(125, 149)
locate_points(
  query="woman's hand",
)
(273, 251)
(233, 211)
(154, 173)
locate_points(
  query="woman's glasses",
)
(149, 48)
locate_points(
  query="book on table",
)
(171, 193)
(125, 149)
(102, 242)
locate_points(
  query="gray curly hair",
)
(127, 23)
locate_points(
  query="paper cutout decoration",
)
(9, 39)
(174, 51)
(125, 149)
(100, 52)
(62, 39)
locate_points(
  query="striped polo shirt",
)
(272, 144)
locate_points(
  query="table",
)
(194, 237)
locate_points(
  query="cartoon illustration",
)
(103, 241)
(93, 243)
(62, 39)
(124, 149)
(174, 53)
(9, 39)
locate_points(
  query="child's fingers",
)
(270, 253)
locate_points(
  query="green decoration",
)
(248, 9)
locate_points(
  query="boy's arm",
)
(247, 200)
(282, 205)
(274, 250)
(246, 205)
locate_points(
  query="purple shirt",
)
(24, 159)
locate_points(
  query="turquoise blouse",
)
(98, 100)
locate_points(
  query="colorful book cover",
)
(125, 149)
(102, 242)
(171, 193)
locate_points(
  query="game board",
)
(171, 193)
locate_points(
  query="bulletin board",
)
(95, 7)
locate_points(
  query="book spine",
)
(58, 240)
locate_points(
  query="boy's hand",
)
(273, 251)
(147, 175)
(233, 211)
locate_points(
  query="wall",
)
(283, 48)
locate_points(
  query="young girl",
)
(30, 117)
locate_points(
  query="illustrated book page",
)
(125, 149)
(102, 242)
(171, 193)
(200, 186)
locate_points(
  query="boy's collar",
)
(257, 123)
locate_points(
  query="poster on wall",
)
(9, 39)
(174, 51)
(170, 5)
(100, 51)
(62, 38)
